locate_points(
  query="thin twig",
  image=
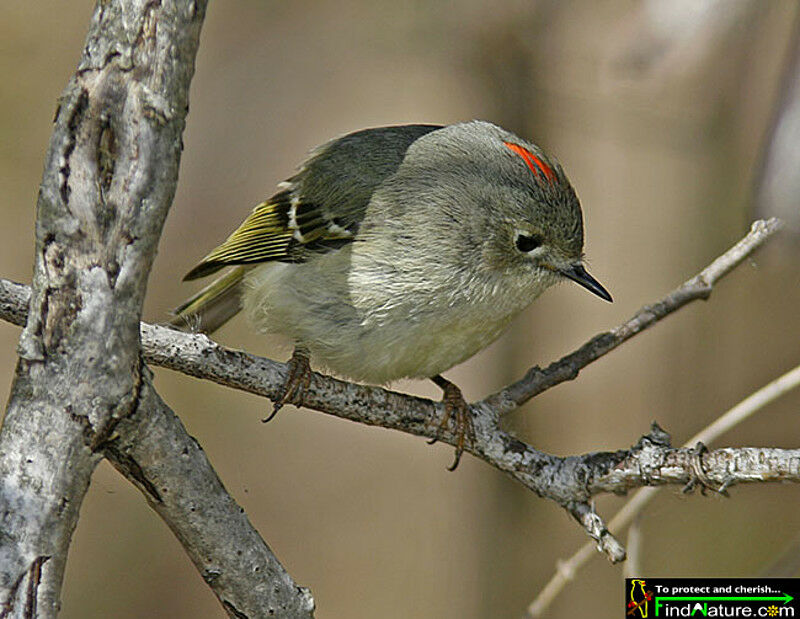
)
(634, 562)
(767, 394)
(566, 570)
(537, 380)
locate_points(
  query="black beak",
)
(579, 275)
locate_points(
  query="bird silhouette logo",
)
(640, 599)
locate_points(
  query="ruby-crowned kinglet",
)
(399, 252)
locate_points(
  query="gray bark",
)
(109, 178)
(154, 451)
(80, 389)
(569, 481)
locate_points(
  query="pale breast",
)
(401, 349)
(373, 329)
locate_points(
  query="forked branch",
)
(570, 481)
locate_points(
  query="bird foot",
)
(295, 385)
(457, 410)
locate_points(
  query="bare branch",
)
(537, 380)
(109, 178)
(714, 470)
(570, 481)
(566, 570)
(633, 564)
(154, 451)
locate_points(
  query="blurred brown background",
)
(658, 112)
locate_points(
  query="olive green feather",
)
(264, 235)
(319, 210)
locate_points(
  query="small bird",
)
(399, 252)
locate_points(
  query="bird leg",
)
(297, 381)
(457, 409)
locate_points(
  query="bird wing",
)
(265, 235)
(320, 208)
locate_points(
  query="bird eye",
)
(526, 243)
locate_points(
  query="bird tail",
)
(213, 306)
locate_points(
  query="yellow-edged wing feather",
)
(318, 210)
(264, 235)
(279, 229)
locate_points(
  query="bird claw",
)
(457, 409)
(293, 389)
